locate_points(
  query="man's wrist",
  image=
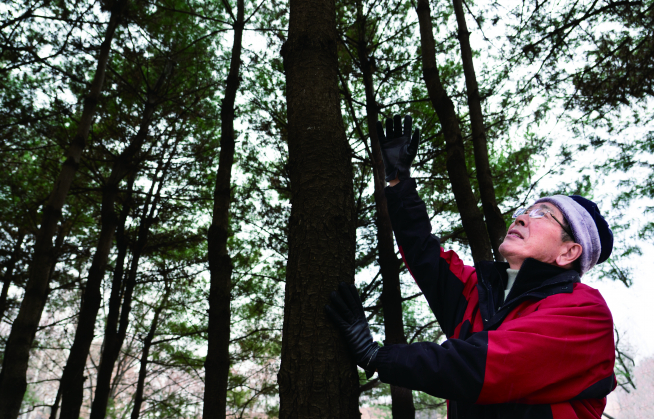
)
(393, 182)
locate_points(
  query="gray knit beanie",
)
(588, 227)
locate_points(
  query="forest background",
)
(150, 162)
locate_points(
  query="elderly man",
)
(526, 339)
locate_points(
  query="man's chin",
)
(508, 249)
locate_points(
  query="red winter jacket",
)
(545, 352)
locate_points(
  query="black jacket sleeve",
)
(453, 370)
(441, 276)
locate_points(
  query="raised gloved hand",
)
(348, 315)
(398, 151)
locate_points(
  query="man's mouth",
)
(514, 233)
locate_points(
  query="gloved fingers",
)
(347, 293)
(336, 318)
(397, 122)
(408, 122)
(380, 133)
(389, 129)
(415, 142)
(342, 308)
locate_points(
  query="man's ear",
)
(570, 251)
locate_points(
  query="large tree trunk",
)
(216, 365)
(317, 377)
(494, 220)
(147, 344)
(73, 376)
(389, 264)
(12, 378)
(471, 218)
(9, 271)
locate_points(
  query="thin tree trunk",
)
(14, 367)
(110, 334)
(147, 343)
(317, 377)
(73, 375)
(216, 365)
(59, 242)
(471, 218)
(391, 298)
(55, 406)
(9, 272)
(113, 342)
(494, 221)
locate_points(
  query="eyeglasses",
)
(539, 213)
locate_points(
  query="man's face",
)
(538, 238)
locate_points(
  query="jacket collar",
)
(535, 280)
(534, 274)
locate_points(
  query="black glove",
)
(347, 313)
(397, 151)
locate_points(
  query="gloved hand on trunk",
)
(346, 311)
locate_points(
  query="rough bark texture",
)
(471, 218)
(220, 263)
(494, 221)
(12, 378)
(389, 264)
(147, 344)
(72, 378)
(9, 271)
(317, 377)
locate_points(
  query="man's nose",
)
(522, 220)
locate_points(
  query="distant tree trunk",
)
(9, 271)
(59, 242)
(471, 218)
(12, 378)
(55, 406)
(391, 297)
(110, 333)
(317, 377)
(494, 220)
(73, 375)
(114, 341)
(147, 343)
(216, 365)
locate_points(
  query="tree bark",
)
(494, 220)
(217, 363)
(73, 375)
(471, 218)
(9, 271)
(13, 376)
(317, 377)
(391, 298)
